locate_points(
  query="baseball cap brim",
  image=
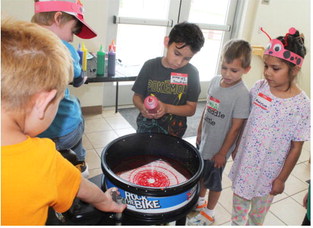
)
(86, 31)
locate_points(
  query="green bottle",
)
(100, 62)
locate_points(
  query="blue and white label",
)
(147, 204)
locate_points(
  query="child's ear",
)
(295, 70)
(166, 40)
(247, 69)
(57, 17)
(42, 102)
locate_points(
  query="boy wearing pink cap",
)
(66, 18)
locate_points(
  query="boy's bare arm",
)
(238, 139)
(278, 185)
(199, 131)
(188, 109)
(91, 193)
(231, 136)
(138, 101)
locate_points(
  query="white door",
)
(139, 27)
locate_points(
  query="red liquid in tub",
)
(157, 173)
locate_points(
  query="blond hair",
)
(237, 49)
(33, 60)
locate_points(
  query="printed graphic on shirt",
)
(213, 109)
(166, 87)
(179, 79)
(213, 103)
(263, 101)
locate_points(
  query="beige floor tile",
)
(125, 131)
(226, 224)
(192, 214)
(95, 125)
(191, 140)
(272, 220)
(93, 160)
(280, 197)
(301, 171)
(289, 211)
(226, 199)
(299, 197)
(226, 182)
(228, 166)
(86, 143)
(109, 112)
(222, 216)
(102, 138)
(99, 151)
(307, 145)
(92, 116)
(118, 122)
(294, 185)
(94, 172)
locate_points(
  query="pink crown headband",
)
(277, 49)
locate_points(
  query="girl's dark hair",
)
(189, 34)
(295, 43)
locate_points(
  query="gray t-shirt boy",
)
(223, 104)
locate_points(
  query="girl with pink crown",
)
(274, 134)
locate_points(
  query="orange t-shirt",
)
(35, 177)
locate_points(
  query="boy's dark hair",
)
(237, 49)
(189, 34)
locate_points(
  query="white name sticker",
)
(263, 101)
(179, 79)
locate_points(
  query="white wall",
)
(276, 18)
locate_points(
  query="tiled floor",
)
(286, 210)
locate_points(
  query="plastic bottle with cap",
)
(151, 103)
(100, 62)
(111, 59)
(85, 53)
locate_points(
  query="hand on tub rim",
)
(101, 200)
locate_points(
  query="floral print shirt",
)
(272, 125)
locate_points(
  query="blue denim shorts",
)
(212, 177)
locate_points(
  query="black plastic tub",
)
(153, 205)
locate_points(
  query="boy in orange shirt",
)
(35, 70)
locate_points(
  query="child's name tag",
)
(263, 101)
(179, 79)
(213, 103)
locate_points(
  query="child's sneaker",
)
(201, 206)
(202, 219)
(83, 167)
